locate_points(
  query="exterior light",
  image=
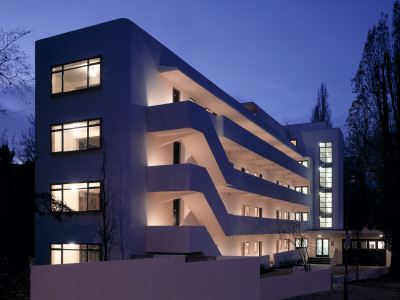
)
(381, 235)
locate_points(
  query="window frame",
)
(62, 251)
(62, 136)
(88, 88)
(88, 188)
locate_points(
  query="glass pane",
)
(76, 64)
(75, 139)
(56, 257)
(93, 247)
(363, 244)
(94, 122)
(56, 143)
(75, 186)
(381, 245)
(326, 247)
(71, 246)
(319, 247)
(56, 246)
(56, 186)
(354, 244)
(94, 199)
(305, 216)
(56, 127)
(93, 256)
(56, 83)
(94, 137)
(71, 199)
(371, 244)
(57, 195)
(75, 125)
(94, 75)
(75, 79)
(305, 243)
(94, 60)
(55, 69)
(298, 243)
(94, 184)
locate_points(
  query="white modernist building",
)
(128, 133)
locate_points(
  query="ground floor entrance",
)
(322, 248)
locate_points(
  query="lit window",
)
(74, 253)
(75, 136)
(304, 163)
(302, 189)
(246, 210)
(325, 209)
(294, 142)
(255, 247)
(325, 152)
(246, 248)
(256, 211)
(83, 196)
(301, 216)
(381, 245)
(301, 243)
(76, 76)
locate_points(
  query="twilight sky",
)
(273, 52)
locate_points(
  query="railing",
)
(144, 256)
(199, 258)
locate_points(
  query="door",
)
(322, 248)
(260, 248)
(176, 95)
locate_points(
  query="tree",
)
(321, 111)
(15, 71)
(374, 123)
(294, 232)
(112, 221)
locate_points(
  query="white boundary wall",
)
(281, 287)
(157, 278)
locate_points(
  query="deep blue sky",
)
(273, 52)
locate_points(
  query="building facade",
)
(153, 157)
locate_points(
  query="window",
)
(83, 196)
(74, 253)
(325, 209)
(255, 247)
(381, 245)
(325, 152)
(325, 177)
(260, 176)
(242, 169)
(256, 174)
(246, 210)
(256, 212)
(301, 243)
(246, 248)
(75, 136)
(247, 171)
(302, 189)
(301, 216)
(294, 142)
(279, 214)
(304, 163)
(75, 76)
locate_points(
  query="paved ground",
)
(338, 270)
(377, 289)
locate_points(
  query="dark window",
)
(177, 153)
(82, 135)
(75, 76)
(176, 95)
(176, 212)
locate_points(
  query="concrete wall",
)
(281, 287)
(292, 256)
(157, 278)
